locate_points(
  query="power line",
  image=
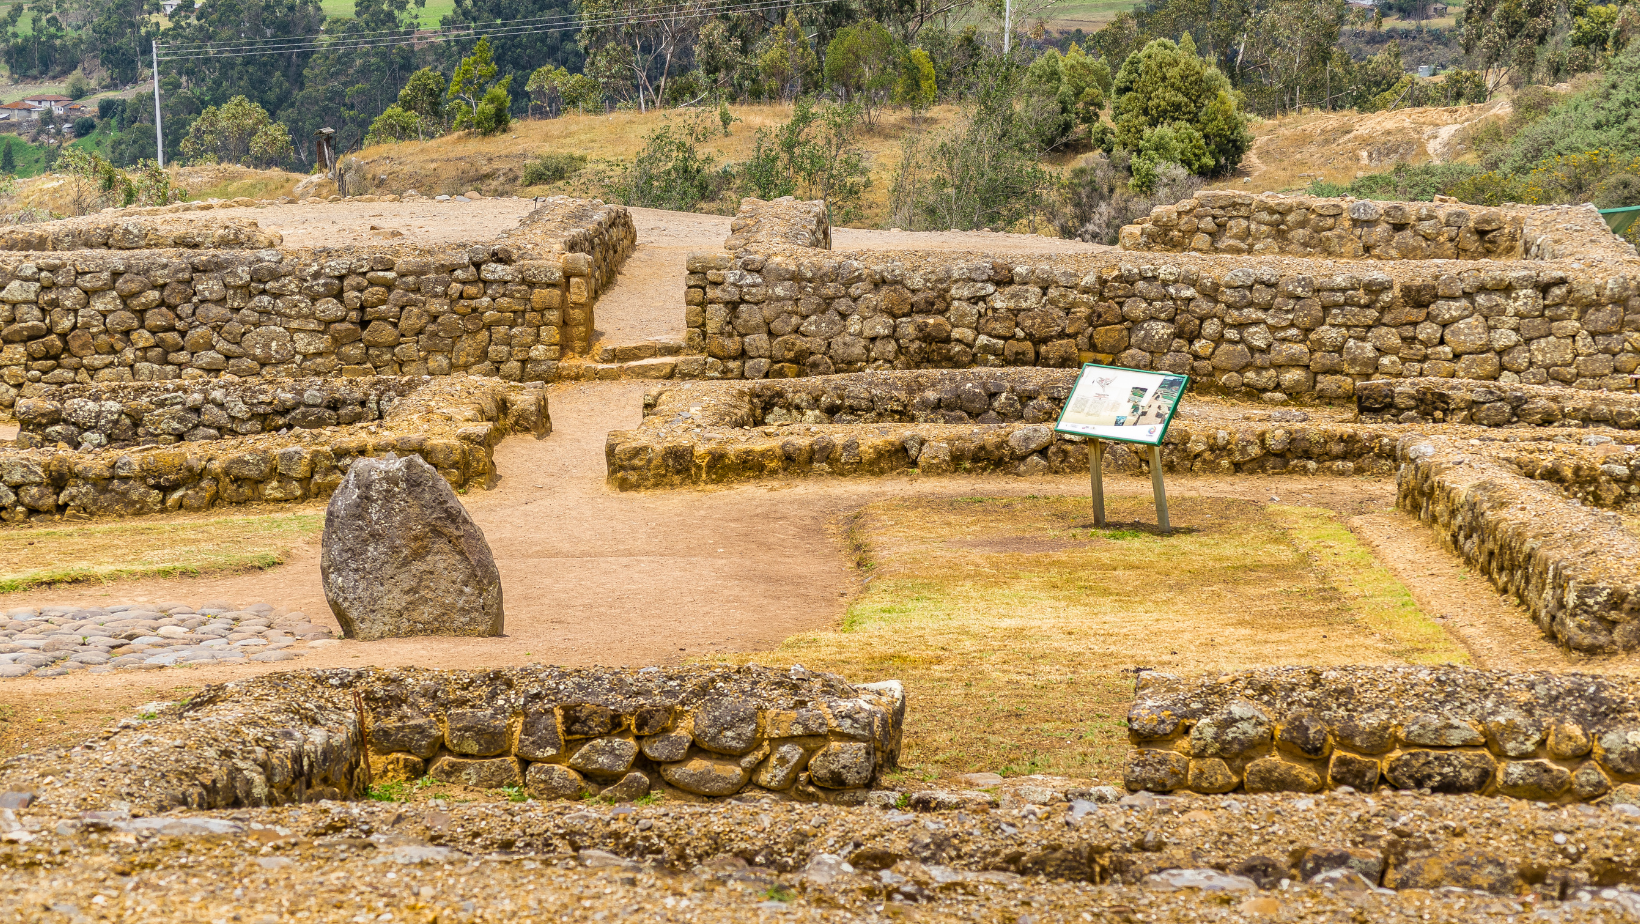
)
(501, 28)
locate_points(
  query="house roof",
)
(17, 105)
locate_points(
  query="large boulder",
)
(401, 557)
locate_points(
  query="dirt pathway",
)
(1497, 631)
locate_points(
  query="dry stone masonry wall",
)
(454, 423)
(1547, 737)
(1244, 223)
(783, 222)
(99, 232)
(511, 309)
(120, 416)
(692, 733)
(1460, 401)
(1504, 509)
(938, 422)
(1280, 329)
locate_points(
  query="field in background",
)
(1017, 626)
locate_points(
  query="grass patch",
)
(1016, 628)
(1383, 602)
(35, 556)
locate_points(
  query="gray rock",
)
(401, 557)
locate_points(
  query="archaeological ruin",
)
(1482, 361)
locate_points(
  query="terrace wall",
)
(1283, 329)
(510, 309)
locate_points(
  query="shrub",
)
(84, 125)
(553, 167)
(1167, 85)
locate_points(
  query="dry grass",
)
(1291, 151)
(52, 191)
(495, 166)
(1016, 626)
(150, 547)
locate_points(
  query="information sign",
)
(1127, 405)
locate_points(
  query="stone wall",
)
(783, 222)
(1549, 737)
(510, 309)
(695, 733)
(120, 416)
(1576, 568)
(1281, 329)
(1269, 223)
(944, 422)
(300, 736)
(1461, 401)
(100, 232)
(454, 423)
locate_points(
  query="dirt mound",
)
(1337, 146)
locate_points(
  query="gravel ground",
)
(52, 641)
(1272, 857)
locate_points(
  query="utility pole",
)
(1007, 26)
(159, 133)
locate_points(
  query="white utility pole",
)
(1007, 26)
(159, 134)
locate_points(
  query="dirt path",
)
(1497, 631)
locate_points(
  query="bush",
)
(77, 87)
(84, 125)
(110, 107)
(553, 167)
(1168, 85)
(1099, 200)
(1404, 183)
(671, 172)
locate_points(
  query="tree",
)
(419, 112)
(864, 62)
(394, 124)
(237, 132)
(8, 159)
(1168, 85)
(1503, 37)
(487, 109)
(816, 154)
(787, 65)
(556, 90)
(519, 52)
(635, 47)
(84, 125)
(918, 88)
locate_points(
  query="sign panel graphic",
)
(1126, 405)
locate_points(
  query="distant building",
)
(44, 101)
(1437, 10)
(19, 111)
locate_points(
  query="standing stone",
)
(401, 557)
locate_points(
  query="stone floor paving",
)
(51, 641)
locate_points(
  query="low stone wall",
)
(945, 422)
(120, 416)
(510, 309)
(452, 423)
(558, 733)
(783, 222)
(98, 232)
(1460, 401)
(1575, 232)
(1281, 330)
(1270, 223)
(1548, 737)
(695, 733)
(1576, 568)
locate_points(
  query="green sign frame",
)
(1088, 432)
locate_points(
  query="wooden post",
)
(1096, 470)
(1159, 490)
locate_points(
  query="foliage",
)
(1504, 36)
(8, 159)
(863, 62)
(1166, 87)
(1098, 199)
(982, 173)
(78, 88)
(671, 172)
(94, 183)
(1604, 118)
(553, 167)
(636, 47)
(419, 112)
(556, 90)
(394, 124)
(1402, 183)
(519, 52)
(84, 125)
(918, 88)
(110, 107)
(488, 106)
(787, 65)
(237, 132)
(1066, 94)
(1605, 178)
(815, 154)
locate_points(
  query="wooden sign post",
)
(1127, 406)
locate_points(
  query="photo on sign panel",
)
(1129, 405)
